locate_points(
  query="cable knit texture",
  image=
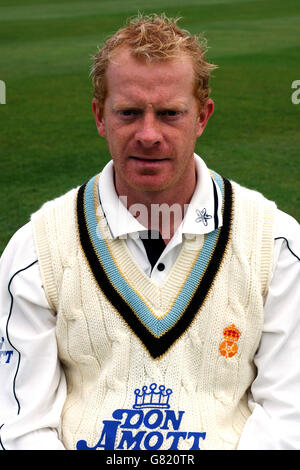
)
(105, 361)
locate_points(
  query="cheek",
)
(185, 139)
(120, 133)
(119, 145)
(113, 136)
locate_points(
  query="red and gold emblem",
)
(228, 347)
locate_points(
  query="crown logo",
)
(156, 397)
(231, 333)
(228, 347)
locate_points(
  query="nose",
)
(149, 133)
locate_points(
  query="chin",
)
(150, 184)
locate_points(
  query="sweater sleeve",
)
(274, 398)
(33, 389)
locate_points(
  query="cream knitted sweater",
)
(147, 366)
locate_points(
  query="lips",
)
(148, 159)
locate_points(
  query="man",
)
(134, 333)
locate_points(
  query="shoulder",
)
(20, 250)
(285, 224)
(250, 193)
(252, 206)
(287, 234)
(19, 265)
(67, 198)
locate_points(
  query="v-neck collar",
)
(157, 315)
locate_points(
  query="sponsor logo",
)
(5, 355)
(147, 426)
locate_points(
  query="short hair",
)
(154, 38)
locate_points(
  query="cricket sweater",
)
(147, 366)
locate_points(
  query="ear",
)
(204, 116)
(98, 117)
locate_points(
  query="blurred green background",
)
(48, 138)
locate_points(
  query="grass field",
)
(48, 140)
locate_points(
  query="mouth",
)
(148, 159)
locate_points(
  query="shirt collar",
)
(203, 214)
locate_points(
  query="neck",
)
(159, 210)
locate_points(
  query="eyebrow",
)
(178, 106)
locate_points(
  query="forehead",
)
(136, 79)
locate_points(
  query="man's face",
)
(151, 120)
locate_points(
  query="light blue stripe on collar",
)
(157, 326)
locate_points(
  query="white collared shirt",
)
(33, 386)
(124, 225)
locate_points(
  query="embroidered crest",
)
(228, 347)
(202, 216)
